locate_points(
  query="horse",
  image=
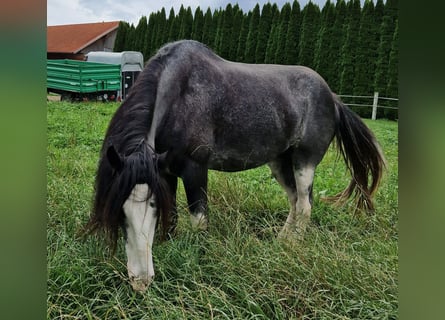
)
(191, 111)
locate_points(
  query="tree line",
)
(354, 48)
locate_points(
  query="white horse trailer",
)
(131, 62)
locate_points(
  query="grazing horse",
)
(190, 111)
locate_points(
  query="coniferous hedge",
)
(354, 48)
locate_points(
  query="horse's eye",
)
(152, 204)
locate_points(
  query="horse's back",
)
(196, 75)
(236, 115)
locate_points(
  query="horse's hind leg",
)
(282, 170)
(304, 177)
(296, 177)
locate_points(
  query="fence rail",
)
(375, 102)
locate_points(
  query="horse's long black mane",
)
(126, 136)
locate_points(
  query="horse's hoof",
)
(140, 285)
(199, 222)
(290, 236)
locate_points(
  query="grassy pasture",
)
(346, 268)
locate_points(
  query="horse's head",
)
(131, 194)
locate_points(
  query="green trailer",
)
(82, 80)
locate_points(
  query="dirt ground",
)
(53, 97)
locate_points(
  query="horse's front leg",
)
(194, 177)
(172, 182)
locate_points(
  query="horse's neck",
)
(158, 115)
(151, 138)
(132, 127)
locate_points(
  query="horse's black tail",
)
(362, 155)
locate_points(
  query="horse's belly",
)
(240, 142)
(234, 160)
(231, 165)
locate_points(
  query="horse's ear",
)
(115, 159)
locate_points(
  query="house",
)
(74, 41)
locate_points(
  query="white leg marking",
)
(290, 221)
(199, 221)
(304, 179)
(140, 214)
(300, 207)
(289, 225)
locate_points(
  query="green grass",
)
(346, 268)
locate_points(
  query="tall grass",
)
(346, 268)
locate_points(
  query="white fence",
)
(374, 105)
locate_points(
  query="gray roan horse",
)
(190, 111)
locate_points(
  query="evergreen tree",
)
(284, 17)
(160, 38)
(264, 27)
(198, 24)
(349, 48)
(207, 35)
(338, 39)
(218, 20)
(153, 26)
(322, 64)
(226, 30)
(379, 12)
(151, 30)
(168, 24)
(236, 31)
(216, 23)
(392, 88)
(140, 35)
(240, 51)
(309, 29)
(366, 57)
(391, 10)
(379, 15)
(175, 25)
(272, 42)
(293, 35)
(271, 45)
(347, 60)
(122, 31)
(129, 39)
(252, 36)
(384, 49)
(185, 30)
(181, 20)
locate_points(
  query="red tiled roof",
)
(72, 38)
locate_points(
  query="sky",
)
(85, 11)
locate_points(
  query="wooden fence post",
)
(374, 105)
